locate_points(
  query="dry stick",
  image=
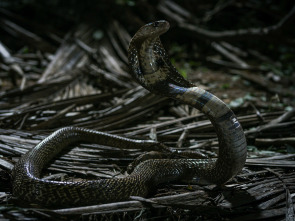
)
(19, 141)
(14, 67)
(234, 49)
(261, 215)
(271, 202)
(110, 76)
(275, 126)
(153, 134)
(290, 214)
(276, 123)
(181, 11)
(51, 67)
(179, 111)
(264, 190)
(105, 208)
(253, 173)
(275, 163)
(218, 47)
(68, 56)
(49, 123)
(5, 151)
(258, 113)
(182, 138)
(159, 125)
(122, 33)
(34, 89)
(258, 184)
(49, 31)
(79, 101)
(262, 82)
(262, 142)
(280, 157)
(261, 57)
(135, 205)
(207, 124)
(284, 117)
(197, 126)
(171, 9)
(85, 47)
(111, 61)
(131, 110)
(56, 176)
(127, 119)
(25, 34)
(23, 121)
(242, 33)
(5, 55)
(218, 8)
(122, 54)
(267, 191)
(6, 164)
(229, 64)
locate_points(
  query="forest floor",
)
(71, 70)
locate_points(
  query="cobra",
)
(151, 67)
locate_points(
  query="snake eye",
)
(156, 24)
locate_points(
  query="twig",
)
(33, 39)
(262, 142)
(218, 7)
(129, 205)
(290, 214)
(218, 47)
(238, 34)
(262, 82)
(282, 118)
(6, 164)
(182, 138)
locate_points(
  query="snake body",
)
(151, 67)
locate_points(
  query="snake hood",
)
(149, 61)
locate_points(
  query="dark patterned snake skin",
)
(151, 67)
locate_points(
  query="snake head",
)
(152, 29)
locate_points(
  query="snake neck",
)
(148, 56)
(151, 67)
(232, 141)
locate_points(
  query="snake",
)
(150, 66)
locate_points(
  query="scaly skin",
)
(151, 67)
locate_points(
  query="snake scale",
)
(151, 67)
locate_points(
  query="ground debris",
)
(52, 77)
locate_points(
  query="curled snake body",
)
(151, 67)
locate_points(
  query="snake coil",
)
(151, 67)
